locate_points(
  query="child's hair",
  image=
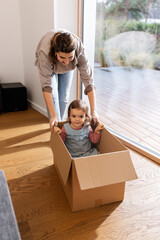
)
(62, 42)
(80, 104)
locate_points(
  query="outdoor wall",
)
(11, 59)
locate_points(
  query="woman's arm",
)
(50, 105)
(87, 79)
(45, 74)
(92, 102)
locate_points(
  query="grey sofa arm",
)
(8, 223)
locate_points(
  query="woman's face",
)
(65, 58)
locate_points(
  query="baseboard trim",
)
(40, 109)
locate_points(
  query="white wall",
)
(36, 19)
(65, 16)
(22, 24)
(11, 59)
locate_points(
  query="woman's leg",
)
(55, 95)
(64, 85)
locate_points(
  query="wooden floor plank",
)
(40, 204)
(128, 102)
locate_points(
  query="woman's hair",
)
(80, 105)
(61, 42)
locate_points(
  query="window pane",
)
(126, 69)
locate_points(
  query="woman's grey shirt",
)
(46, 68)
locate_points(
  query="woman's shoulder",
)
(44, 43)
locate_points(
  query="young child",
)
(77, 133)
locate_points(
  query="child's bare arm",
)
(99, 127)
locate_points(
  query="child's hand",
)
(99, 127)
(57, 130)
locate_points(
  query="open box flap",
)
(104, 169)
(62, 158)
(113, 144)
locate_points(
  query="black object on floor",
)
(1, 108)
(14, 97)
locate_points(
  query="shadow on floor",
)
(6, 145)
(43, 212)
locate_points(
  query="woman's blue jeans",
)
(61, 84)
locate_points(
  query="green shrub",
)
(107, 29)
(153, 28)
(129, 26)
(156, 61)
(140, 26)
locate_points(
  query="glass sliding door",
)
(127, 69)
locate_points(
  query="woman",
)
(58, 54)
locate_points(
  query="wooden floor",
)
(128, 102)
(40, 205)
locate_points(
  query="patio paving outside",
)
(128, 102)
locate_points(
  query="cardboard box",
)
(94, 180)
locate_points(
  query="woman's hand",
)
(53, 122)
(95, 118)
(99, 127)
(57, 130)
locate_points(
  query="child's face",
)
(77, 118)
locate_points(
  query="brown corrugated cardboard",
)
(94, 180)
